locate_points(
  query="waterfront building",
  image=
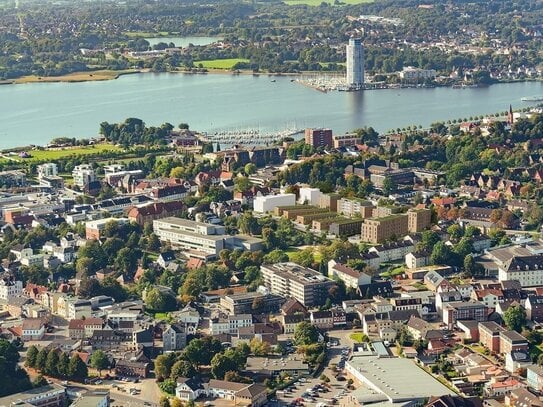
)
(319, 137)
(355, 63)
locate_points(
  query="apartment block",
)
(377, 230)
(489, 335)
(306, 285)
(329, 201)
(83, 175)
(345, 227)
(355, 207)
(319, 137)
(418, 219)
(345, 140)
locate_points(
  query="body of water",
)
(36, 113)
(183, 41)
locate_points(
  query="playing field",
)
(38, 155)
(318, 2)
(220, 63)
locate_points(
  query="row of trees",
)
(58, 364)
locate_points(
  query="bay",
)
(37, 112)
(183, 41)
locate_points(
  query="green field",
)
(220, 63)
(39, 155)
(318, 2)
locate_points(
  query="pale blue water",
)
(183, 41)
(36, 113)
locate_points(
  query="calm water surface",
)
(36, 113)
(183, 41)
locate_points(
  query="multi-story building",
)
(83, 175)
(319, 137)
(84, 328)
(355, 63)
(418, 219)
(263, 204)
(534, 377)
(174, 337)
(329, 201)
(527, 270)
(345, 227)
(47, 170)
(33, 329)
(94, 228)
(512, 341)
(534, 308)
(489, 335)
(457, 311)
(202, 239)
(310, 196)
(411, 74)
(158, 210)
(73, 307)
(345, 140)
(352, 278)
(308, 286)
(51, 395)
(251, 302)
(355, 207)
(377, 230)
(230, 324)
(10, 289)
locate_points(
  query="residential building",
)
(516, 360)
(174, 337)
(415, 260)
(51, 395)
(73, 307)
(47, 170)
(290, 322)
(251, 302)
(346, 140)
(354, 207)
(489, 335)
(97, 398)
(268, 203)
(455, 311)
(132, 368)
(83, 175)
(33, 329)
(392, 251)
(10, 288)
(349, 276)
(94, 228)
(158, 210)
(534, 377)
(534, 308)
(345, 227)
(309, 196)
(319, 137)
(528, 270)
(308, 286)
(522, 398)
(377, 230)
(355, 63)
(512, 341)
(498, 388)
(189, 389)
(414, 75)
(230, 324)
(84, 328)
(418, 219)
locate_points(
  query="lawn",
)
(39, 155)
(291, 253)
(359, 337)
(318, 2)
(220, 63)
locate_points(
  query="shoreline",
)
(107, 75)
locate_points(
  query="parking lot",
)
(315, 392)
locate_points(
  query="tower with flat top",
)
(355, 63)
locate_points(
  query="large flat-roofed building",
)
(418, 219)
(345, 227)
(344, 140)
(190, 235)
(308, 286)
(355, 207)
(246, 303)
(52, 395)
(391, 380)
(263, 204)
(319, 137)
(378, 230)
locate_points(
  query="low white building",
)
(263, 204)
(231, 324)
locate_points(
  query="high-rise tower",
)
(355, 63)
